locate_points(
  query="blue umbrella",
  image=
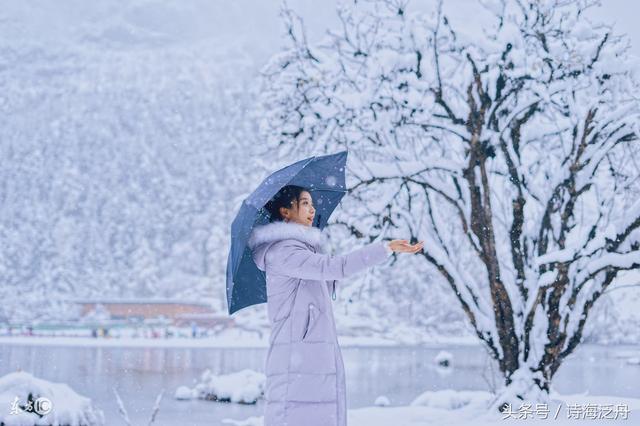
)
(324, 176)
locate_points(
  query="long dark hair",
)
(284, 198)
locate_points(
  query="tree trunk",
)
(522, 385)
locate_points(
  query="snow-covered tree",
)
(512, 153)
(144, 264)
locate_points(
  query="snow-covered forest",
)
(114, 151)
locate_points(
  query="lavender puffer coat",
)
(304, 367)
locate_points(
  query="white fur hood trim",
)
(276, 231)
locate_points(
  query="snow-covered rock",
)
(449, 399)
(184, 392)
(443, 358)
(244, 387)
(57, 401)
(382, 401)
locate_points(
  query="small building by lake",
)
(179, 313)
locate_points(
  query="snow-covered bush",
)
(19, 392)
(244, 387)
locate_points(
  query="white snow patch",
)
(251, 421)
(244, 387)
(382, 401)
(449, 399)
(185, 392)
(633, 361)
(67, 407)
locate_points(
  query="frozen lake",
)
(401, 373)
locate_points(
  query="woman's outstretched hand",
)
(403, 246)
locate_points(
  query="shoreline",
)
(224, 342)
(236, 342)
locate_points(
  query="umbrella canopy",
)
(323, 176)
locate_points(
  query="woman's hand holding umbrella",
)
(403, 246)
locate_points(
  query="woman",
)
(304, 368)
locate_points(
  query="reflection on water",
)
(400, 373)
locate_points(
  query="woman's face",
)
(302, 211)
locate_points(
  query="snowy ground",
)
(472, 413)
(419, 416)
(453, 408)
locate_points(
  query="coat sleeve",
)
(294, 259)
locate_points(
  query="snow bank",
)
(627, 354)
(66, 406)
(244, 387)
